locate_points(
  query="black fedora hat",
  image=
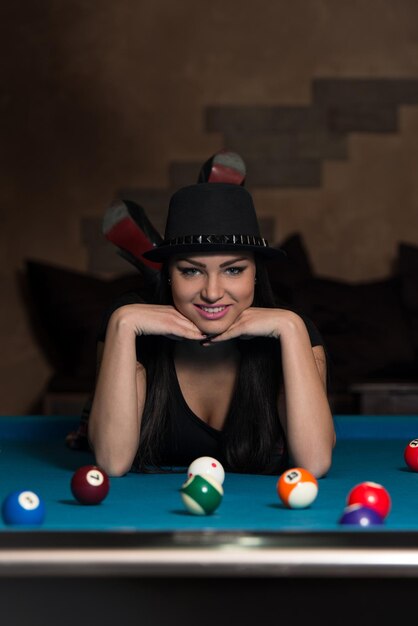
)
(211, 217)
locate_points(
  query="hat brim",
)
(162, 253)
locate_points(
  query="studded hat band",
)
(241, 240)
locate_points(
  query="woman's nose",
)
(212, 289)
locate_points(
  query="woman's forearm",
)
(309, 423)
(115, 418)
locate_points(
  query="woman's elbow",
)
(321, 466)
(114, 468)
(322, 463)
(114, 465)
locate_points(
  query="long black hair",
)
(253, 438)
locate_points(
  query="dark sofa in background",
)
(370, 328)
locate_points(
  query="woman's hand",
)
(257, 322)
(149, 319)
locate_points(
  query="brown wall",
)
(102, 95)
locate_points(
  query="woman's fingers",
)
(165, 320)
(253, 322)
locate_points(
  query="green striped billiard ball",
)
(201, 495)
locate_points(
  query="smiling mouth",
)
(212, 309)
(212, 312)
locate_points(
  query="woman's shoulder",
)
(313, 332)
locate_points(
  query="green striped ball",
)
(201, 495)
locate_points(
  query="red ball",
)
(90, 484)
(371, 495)
(411, 455)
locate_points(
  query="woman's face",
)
(212, 290)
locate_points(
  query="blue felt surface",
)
(368, 448)
(376, 426)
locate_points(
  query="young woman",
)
(214, 367)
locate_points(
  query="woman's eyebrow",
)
(191, 261)
(237, 260)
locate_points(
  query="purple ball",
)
(359, 515)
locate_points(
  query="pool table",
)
(141, 554)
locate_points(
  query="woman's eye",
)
(234, 271)
(189, 271)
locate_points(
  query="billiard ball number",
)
(201, 495)
(90, 484)
(297, 488)
(23, 508)
(411, 455)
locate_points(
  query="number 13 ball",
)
(297, 488)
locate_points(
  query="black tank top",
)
(190, 436)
